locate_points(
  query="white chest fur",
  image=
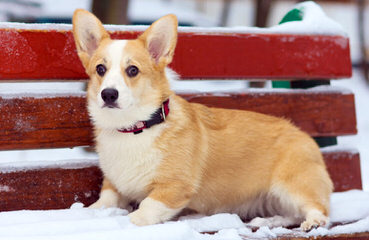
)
(129, 161)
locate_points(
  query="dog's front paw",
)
(97, 205)
(104, 202)
(139, 218)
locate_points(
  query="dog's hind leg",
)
(305, 194)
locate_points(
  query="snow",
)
(357, 201)
(41, 94)
(315, 22)
(33, 89)
(45, 157)
(218, 88)
(336, 148)
(113, 223)
(16, 166)
(223, 88)
(314, 19)
(211, 223)
(4, 188)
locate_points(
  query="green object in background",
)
(293, 15)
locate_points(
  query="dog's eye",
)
(132, 71)
(101, 69)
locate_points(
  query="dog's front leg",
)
(110, 197)
(161, 205)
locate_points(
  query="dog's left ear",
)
(88, 33)
(161, 38)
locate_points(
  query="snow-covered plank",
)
(31, 53)
(49, 121)
(54, 187)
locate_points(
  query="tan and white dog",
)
(206, 159)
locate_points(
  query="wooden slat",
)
(297, 236)
(48, 122)
(44, 122)
(318, 113)
(344, 169)
(51, 54)
(49, 188)
(353, 236)
(59, 188)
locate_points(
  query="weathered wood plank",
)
(318, 113)
(51, 54)
(62, 121)
(34, 122)
(354, 236)
(58, 188)
(49, 188)
(344, 169)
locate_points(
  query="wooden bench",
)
(47, 53)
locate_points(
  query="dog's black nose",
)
(109, 95)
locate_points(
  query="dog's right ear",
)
(88, 32)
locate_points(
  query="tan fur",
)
(206, 159)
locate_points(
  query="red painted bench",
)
(36, 121)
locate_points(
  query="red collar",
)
(157, 117)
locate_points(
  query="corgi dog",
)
(168, 155)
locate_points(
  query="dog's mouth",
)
(110, 105)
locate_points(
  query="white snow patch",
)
(5, 188)
(215, 223)
(314, 20)
(264, 232)
(16, 166)
(339, 148)
(23, 157)
(355, 200)
(77, 205)
(112, 223)
(37, 94)
(227, 234)
(224, 88)
(356, 227)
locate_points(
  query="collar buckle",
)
(163, 111)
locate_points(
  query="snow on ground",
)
(112, 223)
